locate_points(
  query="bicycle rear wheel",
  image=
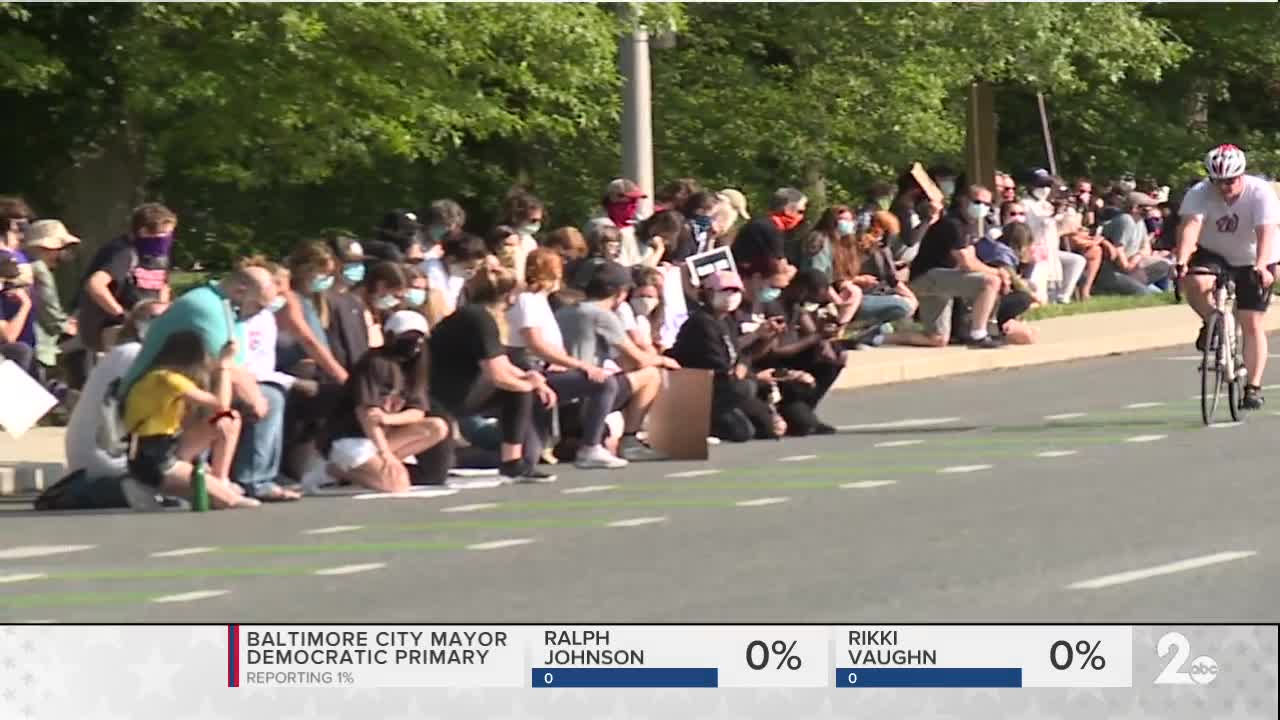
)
(1235, 382)
(1211, 371)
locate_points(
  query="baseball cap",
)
(621, 188)
(50, 235)
(1041, 178)
(401, 226)
(723, 280)
(403, 321)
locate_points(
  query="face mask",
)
(532, 228)
(321, 284)
(436, 232)
(407, 347)
(769, 294)
(978, 210)
(276, 305)
(885, 203)
(622, 212)
(644, 305)
(701, 223)
(845, 227)
(416, 296)
(948, 187)
(386, 302)
(787, 221)
(154, 245)
(1040, 193)
(353, 273)
(726, 301)
(1153, 224)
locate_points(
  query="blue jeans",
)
(257, 461)
(878, 309)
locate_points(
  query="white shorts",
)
(351, 453)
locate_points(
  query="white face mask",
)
(948, 187)
(1040, 193)
(726, 301)
(644, 305)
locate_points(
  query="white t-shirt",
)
(531, 309)
(260, 355)
(438, 278)
(1231, 230)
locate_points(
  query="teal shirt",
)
(200, 310)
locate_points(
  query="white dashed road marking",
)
(963, 469)
(758, 502)
(693, 473)
(1158, 570)
(897, 424)
(183, 552)
(412, 494)
(473, 472)
(868, 484)
(475, 483)
(796, 458)
(474, 507)
(22, 552)
(1056, 453)
(21, 577)
(898, 443)
(499, 544)
(1226, 425)
(190, 596)
(588, 489)
(333, 530)
(1145, 438)
(1065, 416)
(636, 522)
(350, 569)
(1142, 405)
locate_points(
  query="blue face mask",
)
(416, 296)
(353, 273)
(701, 222)
(769, 294)
(978, 210)
(386, 302)
(276, 305)
(321, 284)
(845, 227)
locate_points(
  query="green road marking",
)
(339, 547)
(171, 573)
(72, 599)
(529, 523)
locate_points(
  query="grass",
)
(1100, 304)
(183, 280)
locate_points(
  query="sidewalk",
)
(36, 460)
(1061, 339)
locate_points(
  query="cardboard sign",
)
(680, 418)
(926, 183)
(26, 401)
(714, 260)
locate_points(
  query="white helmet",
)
(1224, 162)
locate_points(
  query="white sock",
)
(977, 335)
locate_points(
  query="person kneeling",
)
(381, 415)
(165, 440)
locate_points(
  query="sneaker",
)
(1252, 399)
(1203, 338)
(635, 451)
(824, 429)
(317, 477)
(139, 496)
(596, 457)
(987, 343)
(532, 476)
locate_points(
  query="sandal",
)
(275, 493)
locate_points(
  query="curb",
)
(25, 478)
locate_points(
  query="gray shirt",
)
(590, 332)
(1126, 233)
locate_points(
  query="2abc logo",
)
(1203, 670)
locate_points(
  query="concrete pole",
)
(637, 113)
(980, 136)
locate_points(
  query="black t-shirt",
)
(377, 380)
(758, 241)
(944, 237)
(347, 331)
(458, 345)
(119, 260)
(707, 342)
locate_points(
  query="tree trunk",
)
(1197, 106)
(815, 184)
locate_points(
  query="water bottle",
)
(199, 490)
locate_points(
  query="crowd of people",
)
(388, 361)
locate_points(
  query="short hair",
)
(676, 193)
(569, 241)
(703, 202)
(784, 198)
(490, 284)
(543, 269)
(390, 275)
(518, 204)
(465, 248)
(665, 223)
(15, 208)
(600, 234)
(152, 217)
(259, 261)
(447, 213)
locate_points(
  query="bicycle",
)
(1223, 362)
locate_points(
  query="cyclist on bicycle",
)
(1229, 224)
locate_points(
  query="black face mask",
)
(406, 348)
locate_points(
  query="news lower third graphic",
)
(668, 671)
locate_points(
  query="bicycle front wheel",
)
(1211, 370)
(1235, 379)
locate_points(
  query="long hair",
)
(643, 276)
(414, 376)
(825, 229)
(544, 270)
(183, 352)
(309, 260)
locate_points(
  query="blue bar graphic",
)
(577, 677)
(896, 677)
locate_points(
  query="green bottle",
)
(199, 491)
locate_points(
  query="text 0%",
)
(759, 653)
(1062, 655)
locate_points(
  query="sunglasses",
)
(1225, 182)
(1017, 214)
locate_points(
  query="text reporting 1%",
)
(758, 652)
(1062, 654)
(346, 678)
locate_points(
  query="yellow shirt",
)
(155, 405)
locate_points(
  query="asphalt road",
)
(976, 508)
